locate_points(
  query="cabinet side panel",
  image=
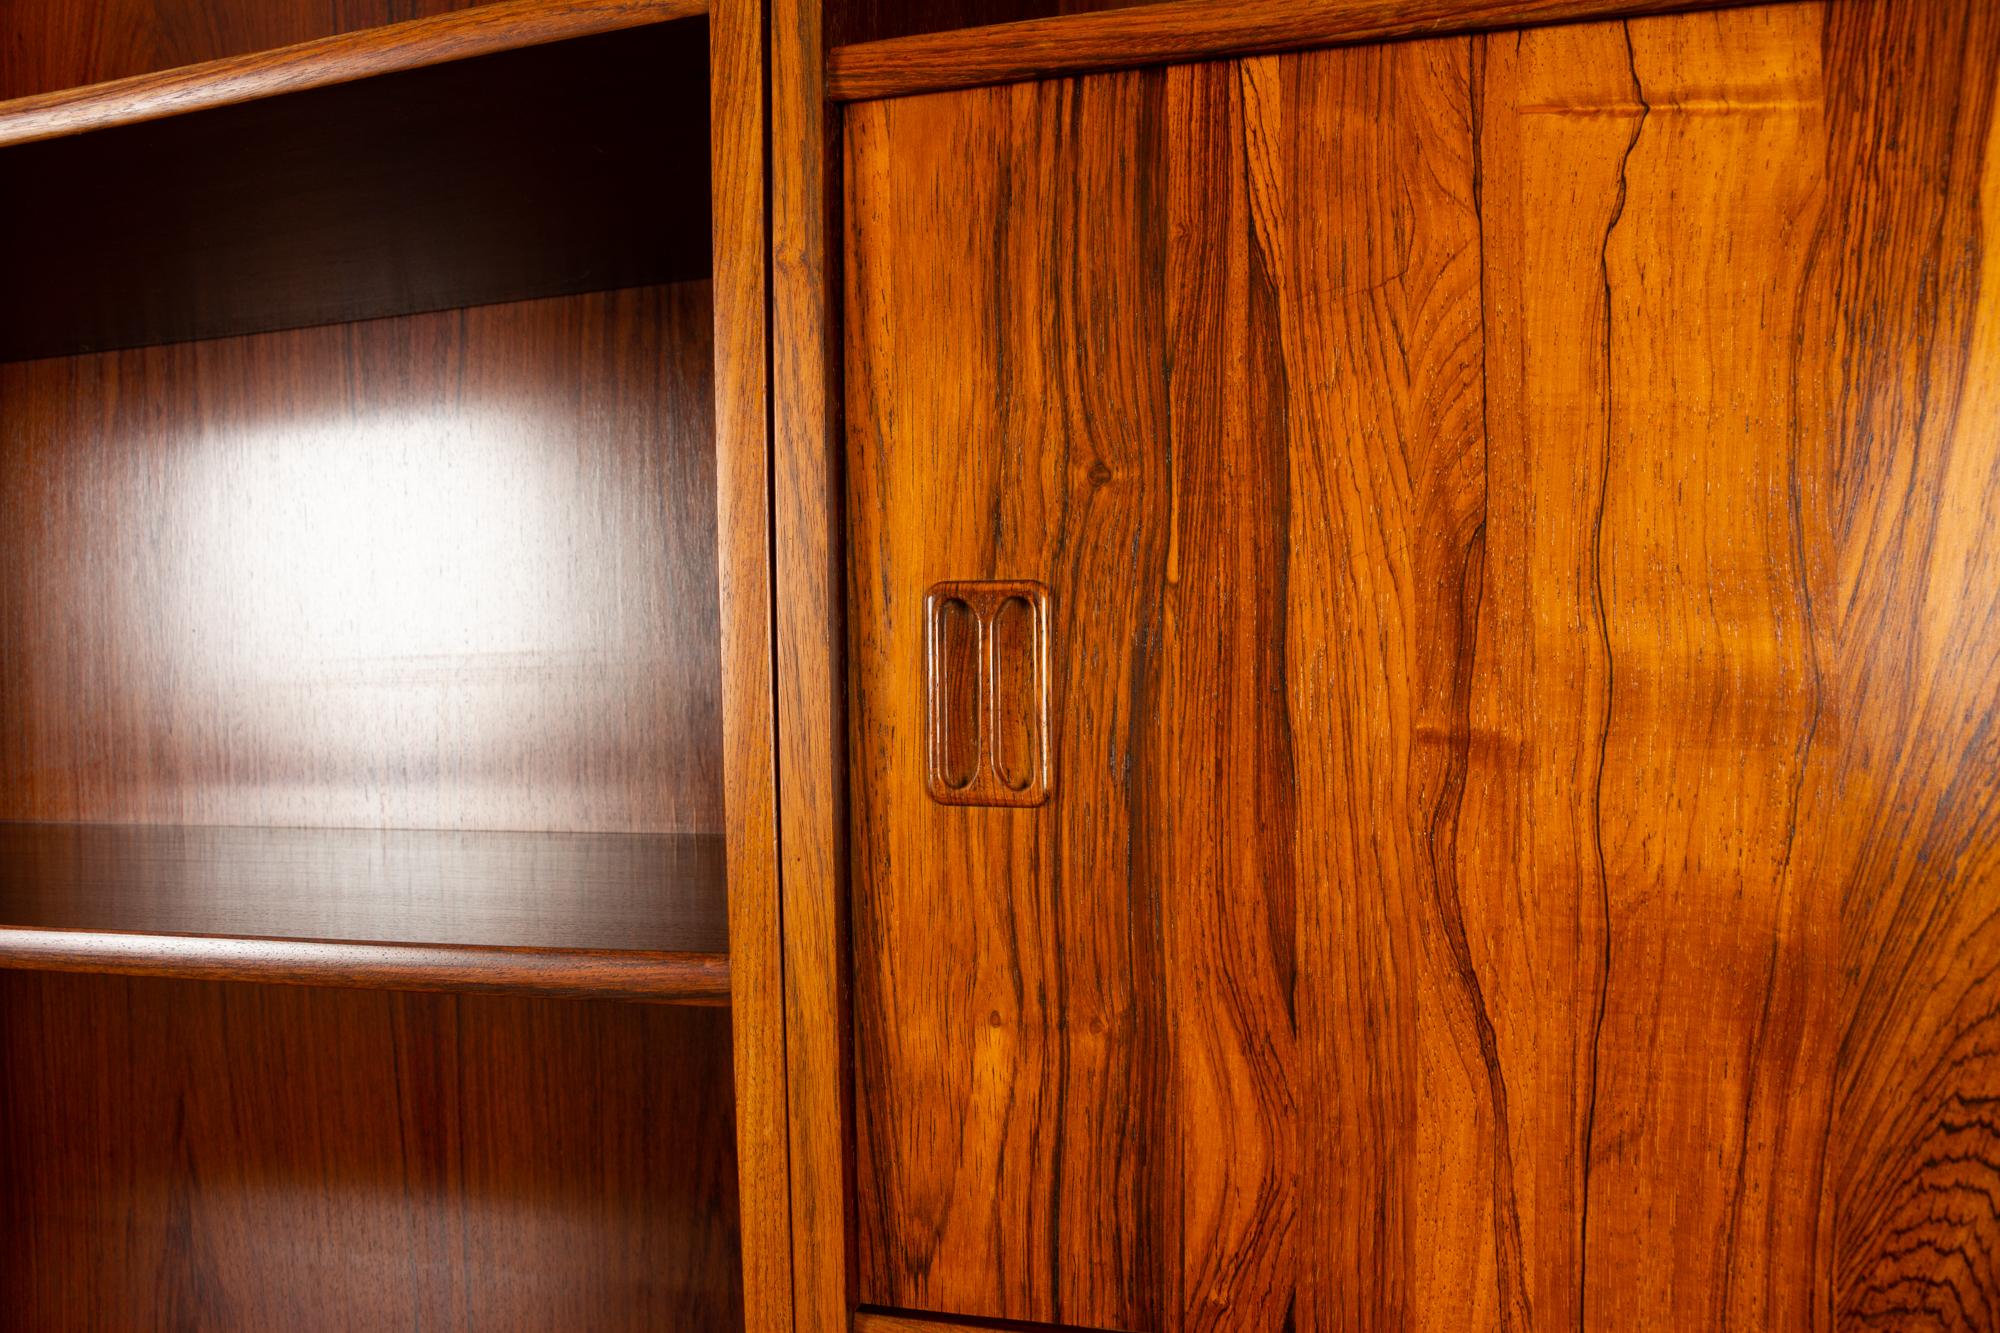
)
(1900, 462)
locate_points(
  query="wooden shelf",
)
(501, 153)
(488, 29)
(607, 915)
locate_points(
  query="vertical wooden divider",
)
(743, 495)
(811, 637)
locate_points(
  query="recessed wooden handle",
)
(986, 651)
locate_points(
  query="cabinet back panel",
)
(1525, 826)
(446, 571)
(194, 1155)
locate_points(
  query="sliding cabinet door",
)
(1426, 643)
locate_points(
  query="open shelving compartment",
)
(360, 631)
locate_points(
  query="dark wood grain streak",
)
(1101, 38)
(505, 25)
(866, 1321)
(237, 1159)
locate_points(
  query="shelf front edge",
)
(464, 34)
(675, 978)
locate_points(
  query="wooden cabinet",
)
(1203, 666)
(1516, 510)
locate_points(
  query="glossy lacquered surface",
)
(239, 1159)
(1518, 516)
(568, 167)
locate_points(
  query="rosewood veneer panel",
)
(1518, 516)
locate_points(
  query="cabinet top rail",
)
(1180, 31)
